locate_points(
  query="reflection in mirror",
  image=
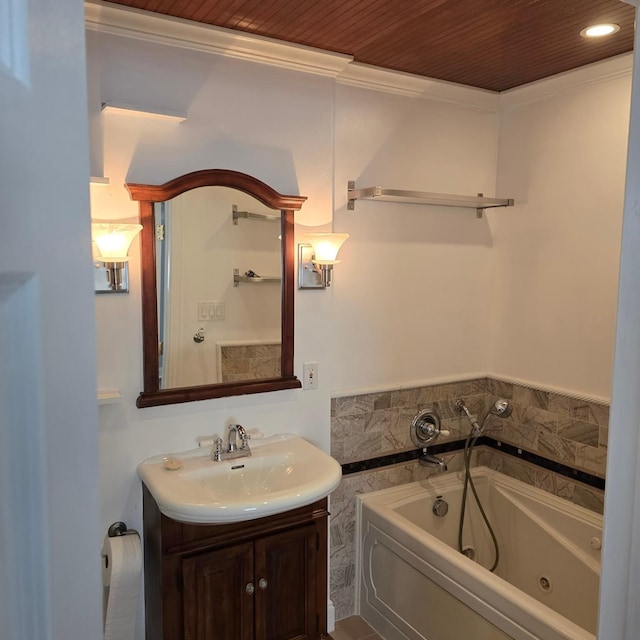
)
(217, 287)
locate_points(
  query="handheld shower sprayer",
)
(501, 408)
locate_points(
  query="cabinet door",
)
(286, 585)
(218, 603)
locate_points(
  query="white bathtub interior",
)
(414, 583)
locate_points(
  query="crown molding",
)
(122, 21)
(147, 26)
(105, 17)
(369, 77)
(569, 82)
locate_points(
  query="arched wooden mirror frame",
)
(146, 195)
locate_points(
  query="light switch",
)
(203, 310)
(211, 310)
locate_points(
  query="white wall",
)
(50, 543)
(423, 293)
(419, 314)
(619, 615)
(411, 298)
(274, 124)
(556, 254)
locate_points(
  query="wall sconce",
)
(113, 241)
(316, 259)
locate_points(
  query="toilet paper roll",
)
(121, 575)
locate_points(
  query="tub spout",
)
(427, 460)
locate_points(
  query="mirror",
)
(217, 287)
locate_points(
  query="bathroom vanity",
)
(262, 579)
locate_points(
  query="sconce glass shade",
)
(326, 246)
(114, 240)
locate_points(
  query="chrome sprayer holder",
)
(501, 408)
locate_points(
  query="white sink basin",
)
(284, 472)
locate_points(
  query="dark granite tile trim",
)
(381, 461)
(457, 445)
(545, 463)
(401, 456)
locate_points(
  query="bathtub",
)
(413, 583)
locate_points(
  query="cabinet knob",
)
(249, 588)
(262, 583)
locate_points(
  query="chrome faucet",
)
(242, 434)
(232, 430)
(427, 460)
(231, 450)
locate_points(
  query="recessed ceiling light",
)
(599, 30)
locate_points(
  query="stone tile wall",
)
(376, 424)
(249, 362)
(558, 427)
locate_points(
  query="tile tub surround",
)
(556, 427)
(249, 362)
(371, 425)
(342, 532)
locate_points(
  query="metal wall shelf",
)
(479, 202)
(248, 215)
(237, 279)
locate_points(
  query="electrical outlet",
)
(310, 375)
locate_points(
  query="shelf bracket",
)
(480, 210)
(351, 203)
(248, 215)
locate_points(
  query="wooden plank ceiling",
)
(492, 44)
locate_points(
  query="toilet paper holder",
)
(114, 531)
(120, 529)
(122, 562)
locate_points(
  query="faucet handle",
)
(425, 427)
(244, 436)
(216, 450)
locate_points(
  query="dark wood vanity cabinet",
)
(263, 579)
